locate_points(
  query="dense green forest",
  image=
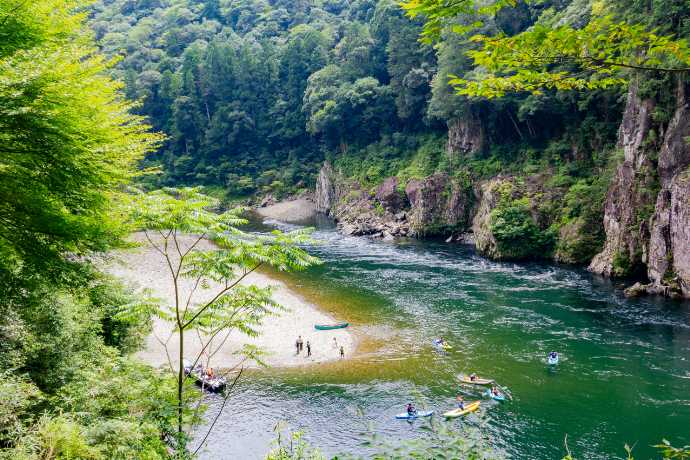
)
(69, 145)
(251, 98)
(254, 95)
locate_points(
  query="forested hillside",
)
(69, 144)
(255, 95)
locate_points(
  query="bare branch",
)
(164, 344)
(220, 411)
(155, 246)
(223, 291)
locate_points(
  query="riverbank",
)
(145, 268)
(290, 211)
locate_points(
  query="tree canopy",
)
(563, 56)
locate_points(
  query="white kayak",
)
(422, 413)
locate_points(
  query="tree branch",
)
(225, 400)
(223, 291)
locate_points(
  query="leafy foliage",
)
(516, 233)
(569, 58)
(550, 55)
(69, 143)
(217, 304)
(254, 93)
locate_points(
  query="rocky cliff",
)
(631, 193)
(436, 205)
(646, 210)
(668, 248)
(646, 215)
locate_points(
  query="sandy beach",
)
(144, 267)
(291, 211)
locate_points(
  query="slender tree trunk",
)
(180, 383)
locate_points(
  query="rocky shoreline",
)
(645, 227)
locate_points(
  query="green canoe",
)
(326, 327)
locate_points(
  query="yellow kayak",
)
(471, 407)
(477, 381)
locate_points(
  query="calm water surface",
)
(624, 375)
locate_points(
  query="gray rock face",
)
(680, 230)
(660, 242)
(631, 190)
(465, 136)
(355, 210)
(489, 197)
(669, 244)
(390, 197)
(325, 195)
(437, 205)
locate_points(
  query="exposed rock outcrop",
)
(436, 205)
(465, 136)
(439, 205)
(489, 196)
(647, 211)
(325, 195)
(359, 212)
(390, 197)
(631, 192)
(669, 245)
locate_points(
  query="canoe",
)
(406, 416)
(327, 327)
(471, 407)
(498, 397)
(477, 381)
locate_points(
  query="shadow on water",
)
(624, 375)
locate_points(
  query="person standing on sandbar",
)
(308, 349)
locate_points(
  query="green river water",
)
(624, 375)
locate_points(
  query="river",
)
(624, 375)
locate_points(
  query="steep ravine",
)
(646, 216)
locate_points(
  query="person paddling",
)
(411, 411)
(461, 402)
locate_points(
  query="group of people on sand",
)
(299, 346)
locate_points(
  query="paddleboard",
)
(470, 407)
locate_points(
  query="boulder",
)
(390, 197)
(438, 205)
